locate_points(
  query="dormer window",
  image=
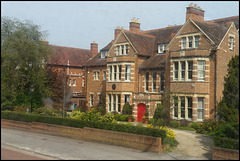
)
(231, 43)
(190, 42)
(103, 54)
(161, 48)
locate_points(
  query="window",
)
(175, 71)
(183, 67)
(190, 69)
(154, 79)
(122, 49)
(183, 42)
(161, 81)
(91, 99)
(110, 73)
(103, 54)
(109, 102)
(189, 99)
(118, 50)
(196, 41)
(119, 102)
(161, 48)
(200, 109)
(126, 98)
(96, 75)
(175, 106)
(74, 82)
(119, 72)
(114, 72)
(83, 82)
(182, 107)
(69, 82)
(127, 72)
(190, 41)
(104, 75)
(231, 43)
(126, 49)
(146, 81)
(114, 102)
(201, 70)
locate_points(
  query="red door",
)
(141, 112)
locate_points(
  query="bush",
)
(174, 124)
(107, 118)
(151, 120)
(43, 111)
(117, 117)
(207, 127)
(86, 116)
(82, 123)
(159, 122)
(127, 109)
(195, 125)
(21, 108)
(123, 118)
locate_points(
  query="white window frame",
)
(201, 71)
(196, 41)
(189, 108)
(200, 108)
(175, 71)
(184, 43)
(188, 42)
(91, 100)
(161, 48)
(182, 70)
(127, 73)
(74, 82)
(69, 82)
(189, 70)
(231, 38)
(127, 98)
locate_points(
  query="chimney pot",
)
(134, 25)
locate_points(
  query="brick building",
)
(185, 64)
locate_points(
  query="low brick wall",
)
(225, 154)
(140, 142)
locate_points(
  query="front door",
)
(141, 112)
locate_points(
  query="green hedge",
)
(225, 142)
(81, 124)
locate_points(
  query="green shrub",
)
(127, 109)
(207, 127)
(107, 118)
(151, 120)
(117, 117)
(47, 112)
(174, 124)
(159, 122)
(195, 125)
(225, 142)
(82, 123)
(123, 118)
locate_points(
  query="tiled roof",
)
(154, 62)
(215, 32)
(96, 61)
(143, 43)
(164, 35)
(76, 57)
(225, 21)
(108, 46)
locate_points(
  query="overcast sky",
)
(78, 23)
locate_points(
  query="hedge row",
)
(81, 124)
(225, 142)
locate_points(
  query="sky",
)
(78, 23)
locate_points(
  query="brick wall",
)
(225, 154)
(141, 142)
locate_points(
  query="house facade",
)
(180, 66)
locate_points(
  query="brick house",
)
(184, 63)
(71, 60)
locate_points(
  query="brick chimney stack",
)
(117, 31)
(94, 49)
(134, 25)
(195, 12)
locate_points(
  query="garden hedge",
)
(81, 124)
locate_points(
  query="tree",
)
(23, 57)
(228, 107)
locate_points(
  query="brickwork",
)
(141, 142)
(225, 154)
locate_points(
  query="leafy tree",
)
(228, 107)
(159, 116)
(23, 57)
(127, 109)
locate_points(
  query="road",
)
(62, 148)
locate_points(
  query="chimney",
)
(117, 31)
(195, 12)
(94, 49)
(134, 25)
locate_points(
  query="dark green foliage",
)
(43, 111)
(159, 116)
(226, 135)
(117, 117)
(174, 124)
(195, 125)
(228, 107)
(81, 124)
(207, 127)
(123, 118)
(127, 109)
(151, 120)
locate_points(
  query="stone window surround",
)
(193, 40)
(119, 46)
(122, 72)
